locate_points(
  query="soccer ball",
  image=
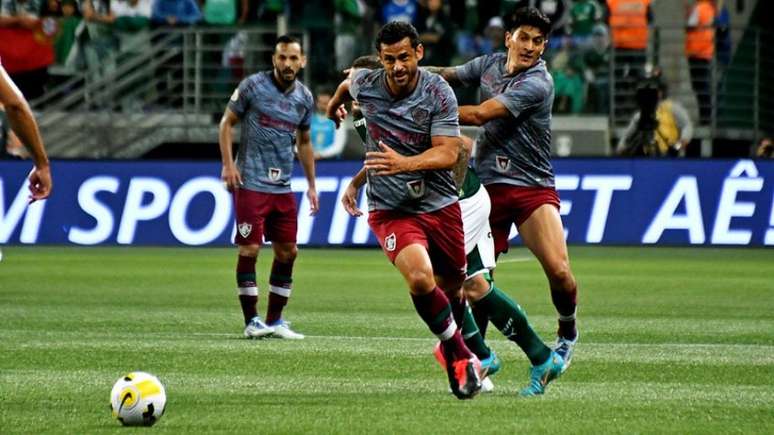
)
(138, 399)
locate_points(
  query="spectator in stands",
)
(99, 42)
(596, 57)
(661, 127)
(584, 15)
(435, 32)
(68, 23)
(175, 12)
(327, 141)
(629, 21)
(224, 12)
(567, 69)
(494, 37)
(31, 52)
(348, 15)
(700, 49)
(765, 149)
(131, 15)
(399, 10)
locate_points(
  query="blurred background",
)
(148, 79)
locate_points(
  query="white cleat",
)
(486, 385)
(257, 329)
(282, 330)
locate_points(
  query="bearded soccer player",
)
(513, 156)
(276, 110)
(478, 287)
(412, 145)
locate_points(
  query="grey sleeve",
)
(306, 121)
(683, 121)
(356, 81)
(523, 95)
(240, 100)
(470, 73)
(445, 118)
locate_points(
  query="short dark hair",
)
(287, 39)
(528, 16)
(395, 31)
(368, 62)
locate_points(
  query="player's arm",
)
(449, 73)
(23, 123)
(341, 96)
(349, 198)
(306, 157)
(229, 174)
(443, 154)
(461, 167)
(482, 113)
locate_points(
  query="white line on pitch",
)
(515, 260)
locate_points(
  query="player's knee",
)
(420, 281)
(561, 276)
(248, 250)
(475, 288)
(287, 255)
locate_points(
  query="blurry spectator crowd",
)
(61, 36)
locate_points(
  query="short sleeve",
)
(445, 121)
(240, 100)
(470, 73)
(524, 95)
(306, 121)
(356, 81)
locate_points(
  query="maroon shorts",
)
(440, 232)
(514, 205)
(259, 214)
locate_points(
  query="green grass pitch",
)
(672, 341)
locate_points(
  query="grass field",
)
(673, 341)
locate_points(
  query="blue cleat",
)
(490, 366)
(542, 374)
(565, 348)
(255, 328)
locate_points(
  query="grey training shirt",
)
(515, 150)
(270, 119)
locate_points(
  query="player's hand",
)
(385, 162)
(349, 201)
(314, 201)
(40, 183)
(338, 115)
(231, 177)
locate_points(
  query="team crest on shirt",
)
(420, 115)
(244, 229)
(416, 188)
(390, 242)
(275, 174)
(503, 163)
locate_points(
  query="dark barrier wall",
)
(604, 201)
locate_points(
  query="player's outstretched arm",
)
(23, 124)
(306, 157)
(442, 155)
(341, 96)
(349, 199)
(483, 113)
(449, 73)
(229, 174)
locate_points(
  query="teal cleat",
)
(542, 374)
(490, 366)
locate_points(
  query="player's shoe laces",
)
(257, 329)
(489, 366)
(542, 374)
(565, 348)
(282, 330)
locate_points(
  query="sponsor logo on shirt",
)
(502, 163)
(416, 188)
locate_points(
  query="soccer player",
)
(412, 144)
(23, 124)
(479, 289)
(513, 156)
(277, 110)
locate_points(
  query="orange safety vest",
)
(700, 39)
(629, 23)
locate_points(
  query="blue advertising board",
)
(604, 201)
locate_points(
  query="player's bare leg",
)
(432, 305)
(543, 234)
(280, 287)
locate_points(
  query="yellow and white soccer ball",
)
(138, 399)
